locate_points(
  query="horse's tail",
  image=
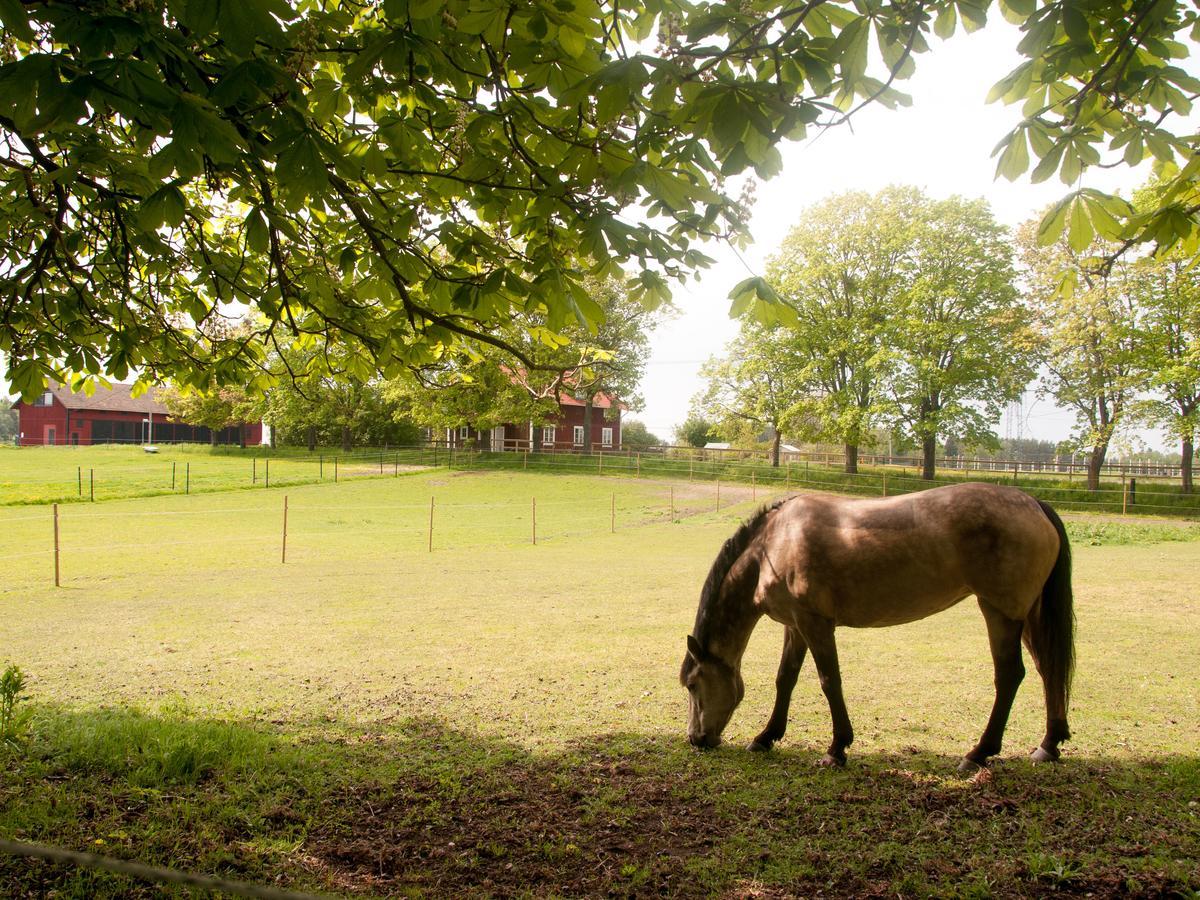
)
(1051, 628)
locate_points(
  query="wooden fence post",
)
(187, 477)
(335, 470)
(639, 465)
(172, 478)
(283, 555)
(885, 484)
(430, 524)
(92, 484)
(267, 480)
(672, 503)
(321, 467)
(753, 488)
(1124, 495)
(56, 580)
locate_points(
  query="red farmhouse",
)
(564, 432)
(61, 416)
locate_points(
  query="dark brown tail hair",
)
(1052, 630)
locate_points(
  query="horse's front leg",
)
(818, 634)
(794, 649)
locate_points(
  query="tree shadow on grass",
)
(424, 809)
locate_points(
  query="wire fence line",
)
(153, 874)
(430, 526)
(891, 475)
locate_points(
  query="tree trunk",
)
(587, 424)
(928, 456)
(1185, 471)
(347, 438)
(851, 459)
(311, 436)
(1095, 463)
(535, 437)
(242, 435)
(775, 449)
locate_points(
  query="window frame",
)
(606, 436)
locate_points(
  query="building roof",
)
(600, 401)
(118, 398)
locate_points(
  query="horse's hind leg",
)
(1004, 636)
(818, 634)
(1057, 729)
(794, 649)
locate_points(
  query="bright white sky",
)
(942, 144)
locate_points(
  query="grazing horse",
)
(813, 563)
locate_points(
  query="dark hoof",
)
(969, 767)
(757, 746)
(1042, 755)
(829, 761)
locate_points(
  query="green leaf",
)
(1053, 222)
(16, 20)
(258, 237)
(1015, 159)
(1080, 235)
(946, 22)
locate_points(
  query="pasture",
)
(498, 717)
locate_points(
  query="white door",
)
(498, 438)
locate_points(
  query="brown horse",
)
(813, 563)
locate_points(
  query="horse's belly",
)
(876, 613)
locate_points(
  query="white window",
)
(464, 431)
(605, 437)
(47, 399)
(547, 435)
(578, 435)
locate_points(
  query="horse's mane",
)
(732, 549)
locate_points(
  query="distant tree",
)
(215, 409)
(961, 340)
(754, 386)
(9, 421)
(694, 431)
(610, 357)
(481, 393)
(323, 398)
(1085, 313)
(841, 270)
(635, 436)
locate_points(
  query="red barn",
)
(564, 432)
(61, 416)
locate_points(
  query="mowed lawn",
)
(498, 717)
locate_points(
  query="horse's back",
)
(891, 560)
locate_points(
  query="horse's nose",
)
(703, 742)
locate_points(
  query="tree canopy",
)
(403, 179)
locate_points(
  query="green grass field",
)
(498, 717)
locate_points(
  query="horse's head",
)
(714, 690)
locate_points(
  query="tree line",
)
(920, 318)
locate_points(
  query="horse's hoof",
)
(757, 746)
(829, 761)
(1042, 755)
(969, 767)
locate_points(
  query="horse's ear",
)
(695, 651)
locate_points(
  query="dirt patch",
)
(601, 828)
